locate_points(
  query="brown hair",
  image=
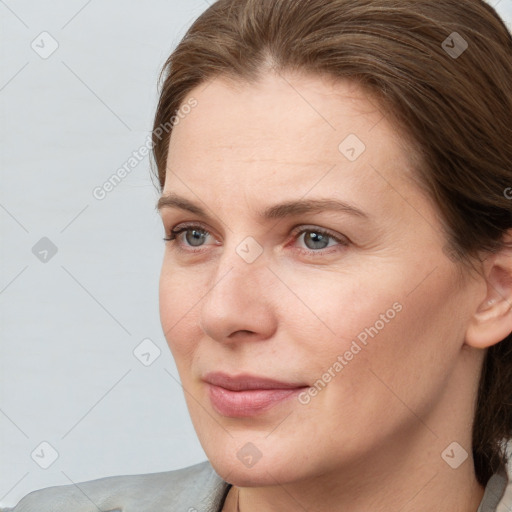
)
(454, 105)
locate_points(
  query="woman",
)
(336, 288)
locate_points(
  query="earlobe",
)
(492, 321)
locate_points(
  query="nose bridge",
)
(239, 296)
(241, 261)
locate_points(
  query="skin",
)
(372, 439)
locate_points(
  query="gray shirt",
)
(194, 489)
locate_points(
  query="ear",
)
(492, 321)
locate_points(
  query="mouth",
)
(247, 395)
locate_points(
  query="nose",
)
(239, 304)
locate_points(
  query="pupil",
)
(316, 238)
(196, 239)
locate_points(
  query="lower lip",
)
(243, 404)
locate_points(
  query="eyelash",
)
(175, 233)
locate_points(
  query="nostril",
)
(242, 331)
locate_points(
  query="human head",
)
(452, 111)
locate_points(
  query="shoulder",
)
(192, 489)
(498, 491)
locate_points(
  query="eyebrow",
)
(278, 211)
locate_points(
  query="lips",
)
(247, 395)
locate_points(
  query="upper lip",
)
(246, 381)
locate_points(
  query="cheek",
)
(178, 303)
(407, 359)
(340, 308)
(387, 325)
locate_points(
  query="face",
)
(305, 294)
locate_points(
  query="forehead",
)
(292, 113)
(286, 134)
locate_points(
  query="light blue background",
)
(68, 375)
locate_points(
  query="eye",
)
(317, 240)
(194, 236)
(186, 237)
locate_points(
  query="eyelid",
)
(190, 225)
(342, 239)
(182, 227)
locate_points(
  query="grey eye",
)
(195, 237)
(316, 240)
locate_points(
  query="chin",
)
(262, 474)
(234, 465)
